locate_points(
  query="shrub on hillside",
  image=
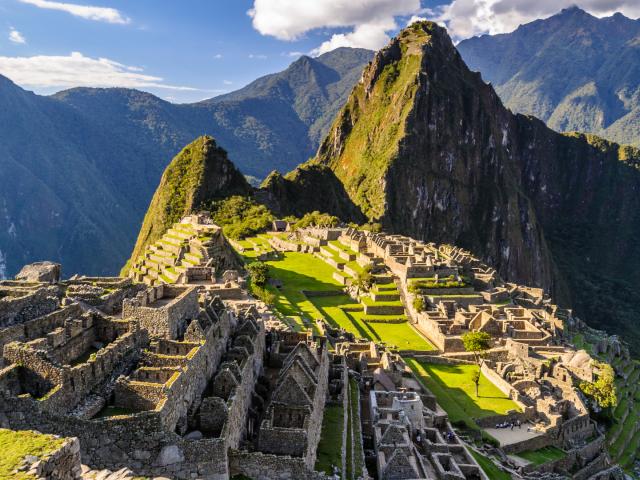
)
(316, 219)
(258, 273)
(263, 294)
(241, 217)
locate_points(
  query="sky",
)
(189, 50)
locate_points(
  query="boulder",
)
(48, 272)
(169, 455)
(194, 435)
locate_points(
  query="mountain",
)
(425, 147)
(572, 70)
(78, 169)
(200, 173)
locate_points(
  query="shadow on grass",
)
(459, 402)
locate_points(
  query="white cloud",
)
(416, 18)
(100, 14)
(257, 56)
(76, 70)
(227, 82)
(368, 20)
(16, 37)
(466, 18)
(217, 56)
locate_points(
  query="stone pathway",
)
(506, 436)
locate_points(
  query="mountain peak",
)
(573, 10)
(197, 175)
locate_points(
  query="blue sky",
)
(188, 50)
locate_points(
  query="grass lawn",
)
(302, 271)
(400, 335)
(455, 391)
(543, 455)
(298, 272)
(16, 445)
(490, 468)
(330, 446)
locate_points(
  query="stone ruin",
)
(187, 376)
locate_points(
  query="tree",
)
(258, 273)
(603, 390)
(477, 343)
(316, 219)
(418, 303)
(475, 376)
(364, 279)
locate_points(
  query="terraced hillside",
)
(183, 250)
(310, 286)
(624, 436)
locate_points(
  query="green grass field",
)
(490, 468)
(543, 455)
(16, 445)
(399, 335)
(300, 272)
(455, 391)
(330, 445)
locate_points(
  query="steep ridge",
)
(307, 188)
(200, 173)
(427, 148)
(572, 70)
(77, 169)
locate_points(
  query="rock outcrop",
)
(48, 272)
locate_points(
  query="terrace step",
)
(384, 318)
(385, 297)
(383, 279)
(383, 309)
(173, 232)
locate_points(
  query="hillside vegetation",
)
(572, 70)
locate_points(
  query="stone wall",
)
(261, 466)
(167, 320)
(38, 327)
(16, 310)
(62, 464)
(240, 400)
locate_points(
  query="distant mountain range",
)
(572, 70)
(77, 169)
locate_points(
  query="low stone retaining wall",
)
(261, 466)
(383, 309)
(321, 293)
(384, 320)
(61, 464)
(435, 358)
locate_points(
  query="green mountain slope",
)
(572, 70)
(200, 173)
(78, 169)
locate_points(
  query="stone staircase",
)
(183, 246)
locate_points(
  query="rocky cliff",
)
(427, 148)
